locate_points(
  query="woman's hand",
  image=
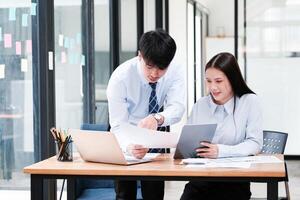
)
(208, 150)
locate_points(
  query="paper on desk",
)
(251, 159)
(244, 165)
(195, 161)
(248, 159)
(148, 156)
(146, 137)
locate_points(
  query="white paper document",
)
(148, 138)
(233, 162)
(244, 165)
(251, 159)
(148, 156)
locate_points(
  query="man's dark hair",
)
(157, 48)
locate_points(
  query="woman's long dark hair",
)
(227, 63)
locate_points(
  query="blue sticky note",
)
(72, 43)
(78, 38)
(1, 34)
(25, 20)
(67, 42)
(33, 9)
(12, 14)
(82, 60)
(76, 58)
(72, 58)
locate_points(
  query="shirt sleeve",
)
(117, 106)
(174, 105)
(254, 134)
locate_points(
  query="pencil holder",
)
(65, 151)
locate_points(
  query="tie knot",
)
(153, 85)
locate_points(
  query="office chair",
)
(274, 143)
(92, 189)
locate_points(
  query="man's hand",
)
(208, 151)
(138, 151)
(148, 122)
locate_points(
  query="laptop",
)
(190, 138)
(103, 147)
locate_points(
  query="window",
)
(272, 58)
(69, 62)
(16, 95)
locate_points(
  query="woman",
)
(235, 109)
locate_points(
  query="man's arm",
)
(175, 100)
(118, 113)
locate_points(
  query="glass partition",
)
(128, 46)
(272, 59)
(16, 95)
(69, 62)
(102, 58)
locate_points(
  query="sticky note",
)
(72, 43)
(50, 60)
(82, 60)
(2, 71)
(72, 58)
(33, 9)
(29, 46)
(63, 57)
(0, 33)
(67, 42)
(25, 20)
(76, 58)
(7, 41)
(78, 38)
(61, 40)
(18, 48)
(12, 14)
(24, 65)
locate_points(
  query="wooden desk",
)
(163, 168)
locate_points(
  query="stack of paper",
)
(234, 162)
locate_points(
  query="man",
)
(136, 91)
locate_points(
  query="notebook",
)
(103, 147)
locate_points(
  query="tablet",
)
(190, 138)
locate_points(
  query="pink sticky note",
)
(7, 41)
(63, 57)
(28, 46)
(18, 48)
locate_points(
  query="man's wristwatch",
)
(158, 118)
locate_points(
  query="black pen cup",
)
(65, 151)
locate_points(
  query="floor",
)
(175, 188)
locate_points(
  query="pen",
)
(53, 133)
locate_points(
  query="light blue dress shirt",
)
(237, 134)
(128, 94)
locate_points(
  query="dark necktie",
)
(153, 105)
(153, 108)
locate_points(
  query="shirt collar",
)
(228, 105)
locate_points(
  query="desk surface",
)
(164, 165)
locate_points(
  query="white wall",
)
(221, 15)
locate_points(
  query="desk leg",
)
(272, 190)
(71, 189)
(37, 187)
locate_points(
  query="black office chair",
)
(93, 189)
(274, 143)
